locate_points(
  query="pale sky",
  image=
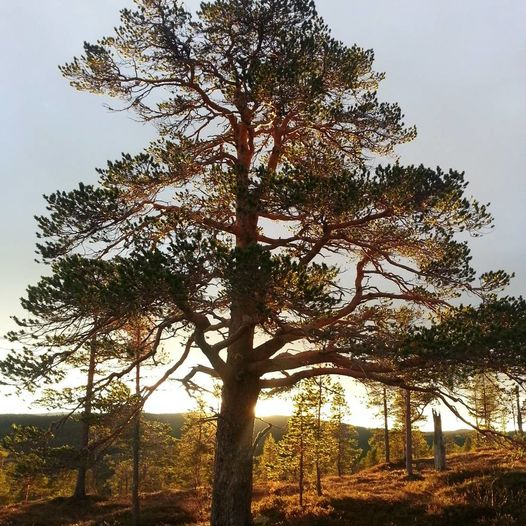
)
(457, 69)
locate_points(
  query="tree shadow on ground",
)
(94, 511)
(378, 512)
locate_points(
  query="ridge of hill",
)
(68, 433)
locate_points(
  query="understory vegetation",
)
(302, 463)
(486, 487)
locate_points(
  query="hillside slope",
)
(69, 431)
(486, 488)
(482, 488)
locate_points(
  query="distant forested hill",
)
(68, 432)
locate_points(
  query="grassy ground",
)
(485, 488)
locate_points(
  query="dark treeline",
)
(69, 432)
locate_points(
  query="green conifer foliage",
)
(297, 445)
(5, 479)
(488, 405)
(195, 448)
(346, 454)
(317, 442)
(158, 461)
(35, 466)
(268, 463)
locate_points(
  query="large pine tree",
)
(252, 228)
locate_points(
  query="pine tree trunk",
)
(408, 435)
(136, 509)
(439, 447)
(386, 431)
(94, 477)
(232, 488)
(339, 463)
(82, 471)
(319, 490)
(233, 463)
(301, 474)
(485, 404)
(519, 412)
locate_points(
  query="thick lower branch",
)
(288, 361)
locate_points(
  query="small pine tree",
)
(451, 444)
(267, 464)
(296, 461)
(376, 450)
(5, 478)
(346, 453)
(487, 402)
(195, 448)
(307, 450)
(380, 398)
(34, 462)
(371, 458)
(157, 463)
(469, 444)
(421, 447)
(376, 453)
(318, 392)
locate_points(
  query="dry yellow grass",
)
(483, 488)
(486, 488)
